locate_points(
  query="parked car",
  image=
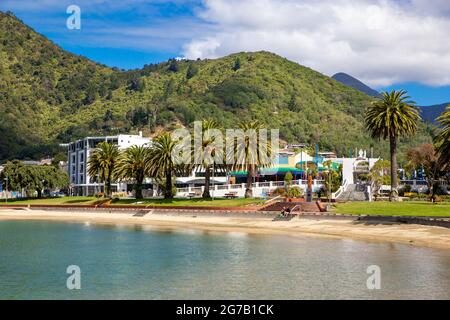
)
(55, 194)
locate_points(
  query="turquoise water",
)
(135, 262)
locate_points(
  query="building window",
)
(283, 160)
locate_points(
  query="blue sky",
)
(386, 44)
(124, 34)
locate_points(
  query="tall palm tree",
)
(133, 164)
(102, 162)
(252, 154)
(209, 147)
(443, 138)
(162, 163)
(392, 117)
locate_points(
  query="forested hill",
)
(39, 85)
(49, 96)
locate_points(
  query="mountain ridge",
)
(351, 81)
(428, 113)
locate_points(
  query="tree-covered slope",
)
(48, 96)
(39, 84)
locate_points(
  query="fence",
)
(260, 189)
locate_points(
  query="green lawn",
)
(145, 202)
(193, 202)
(394, 209)
(54, 201)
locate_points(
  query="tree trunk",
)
(206, 193)
(39, 193)
(394, 182)
(249, 184)
(168, 192)
(432, 193)
(108, 187)
(432, 189)
(138, 188)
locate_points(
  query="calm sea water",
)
(135, 262)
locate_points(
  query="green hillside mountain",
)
(49, 96)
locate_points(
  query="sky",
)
(387, 44)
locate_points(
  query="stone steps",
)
(354, 193)
(300, 207)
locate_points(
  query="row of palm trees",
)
(107, 163)
(395, 116)
(389, 118)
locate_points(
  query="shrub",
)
(410, 194)
(100, 195)
(118, 195)
(407, 188)
(191, 71)
(422, 196)
(441, 190)
(295, 192)
(115, 199)
(173, 65)
(237, 64)
(281, 191)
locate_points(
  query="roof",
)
(284, 170)
(201, 181)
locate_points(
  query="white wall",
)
(347, 170)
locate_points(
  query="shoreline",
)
(324, 227)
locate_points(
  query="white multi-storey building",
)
(81, 183)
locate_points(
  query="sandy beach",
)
(417, 235)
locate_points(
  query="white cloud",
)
(381, 42)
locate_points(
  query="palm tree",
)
(133, 164)
(208, 140)
(391, 117)
(443, 138)
(161, 162)
(102, 162)
(252, 154)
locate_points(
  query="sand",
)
(417, 235)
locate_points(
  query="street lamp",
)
(6, 189)
(329, 183)
(213, 186)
